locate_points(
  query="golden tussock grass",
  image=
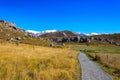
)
(110, 62)
(27, 62)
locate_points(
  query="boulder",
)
(7, 34)
(1, 30)
(63, 44)
(2, 21)
(18, 38)
(11, 39)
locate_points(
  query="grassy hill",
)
(10, 32)
(115, 37)
(59, 34)
(21, 59)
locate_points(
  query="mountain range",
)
(51, 31)
(10, 32)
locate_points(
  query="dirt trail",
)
(90, 70)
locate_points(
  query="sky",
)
(86, 16)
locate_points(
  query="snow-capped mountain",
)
(39, 33)
(88, 34)
(49, 31)
(93, 33)
(32, 31)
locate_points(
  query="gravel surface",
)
(90, 70)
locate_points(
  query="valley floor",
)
(29, 62)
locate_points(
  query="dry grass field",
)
(28, 62)
(112, 60)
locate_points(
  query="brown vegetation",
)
(112, 60)
(27, 62)
(109, 61)
(20, 36)
(115, 37)
(59, 34)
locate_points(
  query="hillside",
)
(69, 36)
(10, 32)
(114, 37)
(58, 34)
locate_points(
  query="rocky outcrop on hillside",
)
(10, 32)
(77, 38)
(58, 34)
(10, 25)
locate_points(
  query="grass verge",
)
(110, 63)
(107, 56)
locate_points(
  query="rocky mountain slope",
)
(114, 37)
(10, 32)
(69, 36)
(59, 34)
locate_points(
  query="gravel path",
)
(90, 70)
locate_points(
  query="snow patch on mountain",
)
(40, 32)
(93, 33)
(49, 31)
(32, 31)
(88, 34)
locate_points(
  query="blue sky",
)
(101, 16)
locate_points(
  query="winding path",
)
(90, 70)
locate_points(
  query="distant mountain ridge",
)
(59, 34)
(115, 37)
(53, 33)
(10, 32)
(48, 32)
(69, 36)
